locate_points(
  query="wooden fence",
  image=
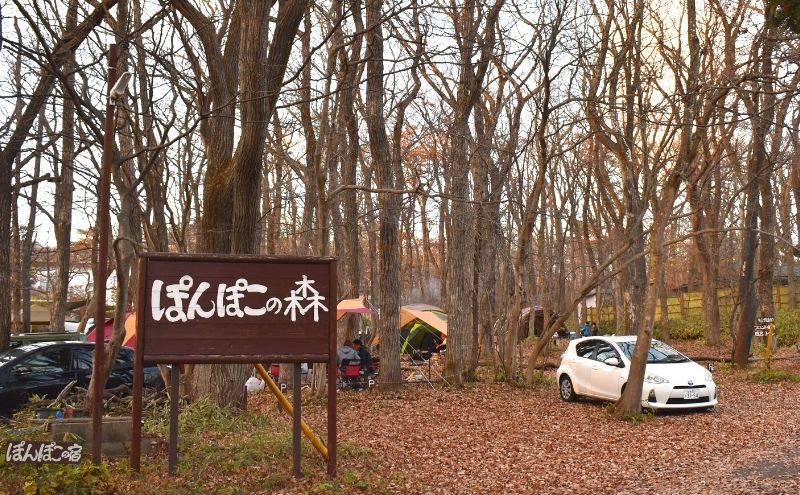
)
(691, 304)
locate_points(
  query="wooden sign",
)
(762, 327)
(207, 308)
(202, 309)
(24, 452)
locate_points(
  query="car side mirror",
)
(22, 371)
(612, 361)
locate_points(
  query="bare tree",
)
(231, 188)
(760, 103)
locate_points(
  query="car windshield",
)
(659, 352)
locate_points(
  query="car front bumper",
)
(679, 396)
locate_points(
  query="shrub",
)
(606, 328)
(691, 327)
(774, 376)
(82, 479)
(787, 326)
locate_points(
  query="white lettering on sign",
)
(228, 301)
(305, 292)
(43, 452)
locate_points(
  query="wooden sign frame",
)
(215, 309)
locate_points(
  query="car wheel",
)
(566, 390)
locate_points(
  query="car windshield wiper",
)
(668, 359)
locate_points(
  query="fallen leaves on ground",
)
(493, 438)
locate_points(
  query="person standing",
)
(586, 330)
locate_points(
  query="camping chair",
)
(416, 359)
(350, 373)
(420, 357)
(374, 366)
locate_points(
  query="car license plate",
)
(690, 394)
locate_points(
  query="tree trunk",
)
(788, 250)
(30, 229)
(62, 207)
(16, 276)
(708, 264)
(761, 107)
(630, 401)
(231, 189)
(766, 248)
(662, 298)
(389, 256)
(460, 338)
(794, 182)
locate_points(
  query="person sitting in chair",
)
(363, 354)
(346, 354)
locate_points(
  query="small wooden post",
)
(768, 350)
(296, 417)
(332, 385)
(138, 371)
(174, 381)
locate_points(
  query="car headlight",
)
(709, 377)
(650, 378)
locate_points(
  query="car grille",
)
(698, 400)
(685, 387)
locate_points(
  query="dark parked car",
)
(20, 339)
(45, 368)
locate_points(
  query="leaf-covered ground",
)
(493, 438)
(489, 438)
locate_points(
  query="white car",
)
(598, 367)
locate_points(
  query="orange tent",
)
(432, 315)
(420, 325)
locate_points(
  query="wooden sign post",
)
(205, 309)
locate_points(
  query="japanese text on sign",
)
(22, 452)
(762, 326)
(303, 300)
